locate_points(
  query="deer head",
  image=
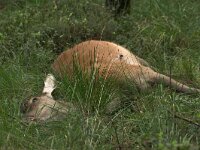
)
(44, 107)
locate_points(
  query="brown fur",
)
(43, 108)
(113, 60)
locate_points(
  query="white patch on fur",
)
(49, 85)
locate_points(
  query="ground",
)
(164, 33)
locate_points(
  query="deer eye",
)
(34, 99)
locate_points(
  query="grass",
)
(165, 33)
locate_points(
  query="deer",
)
(110, 60)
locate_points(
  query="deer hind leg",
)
(144, 78)
(137, 75)
(142, 84)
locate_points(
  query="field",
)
(165, 33)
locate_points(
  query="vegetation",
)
(165, 33)
(119, 7)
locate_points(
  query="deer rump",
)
(112, 60)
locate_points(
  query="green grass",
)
(165, 33)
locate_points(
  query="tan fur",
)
(113, 60)
(43, 108)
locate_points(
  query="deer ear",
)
(49, 85)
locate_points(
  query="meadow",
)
(165, 33)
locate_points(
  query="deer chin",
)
(35, 119)
(31, 118)
(55, 117)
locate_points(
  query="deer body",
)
(111, 60)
